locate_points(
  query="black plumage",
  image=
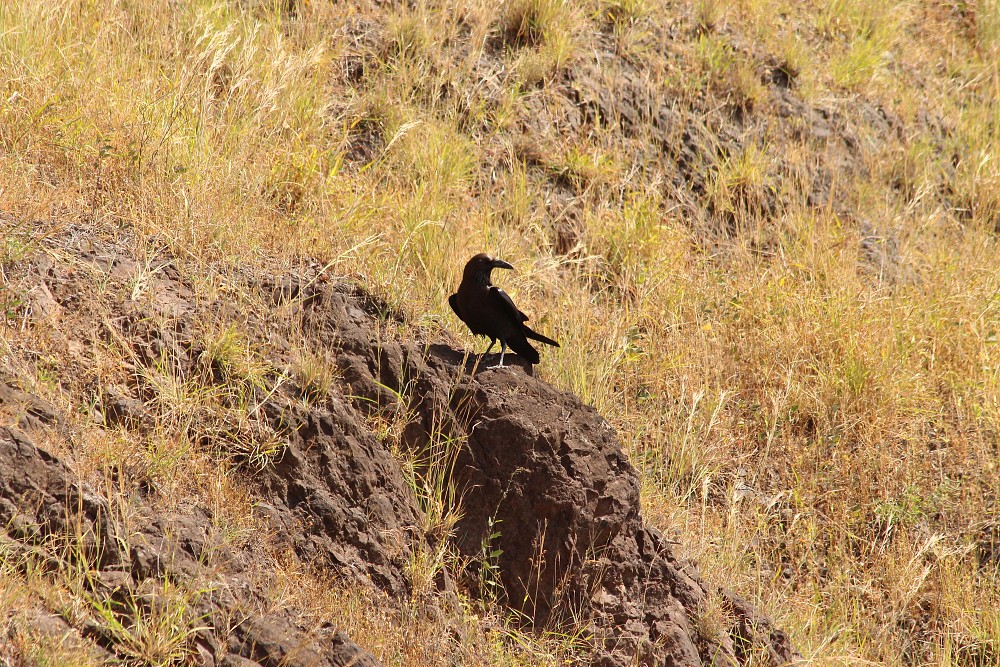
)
(488, 311)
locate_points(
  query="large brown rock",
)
(39, 499)
(549, 506)
(543, 482)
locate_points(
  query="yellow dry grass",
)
(809, 385)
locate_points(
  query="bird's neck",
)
(483, 279)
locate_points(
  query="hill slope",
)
(765, 233)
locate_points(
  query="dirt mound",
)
(548, 503)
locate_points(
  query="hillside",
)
(765, 234)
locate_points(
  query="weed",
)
(314, 374)
(712, 622)
(228, 354)
(709, 14)
(529, 22)
(156, 628)
(490, 582)
(859, 64)
(987, 27)
(622, 11)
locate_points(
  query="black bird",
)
(488, 311)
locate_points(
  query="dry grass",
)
(795, 334)
(423, 631)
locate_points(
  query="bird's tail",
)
(521, 345)
(537, 336)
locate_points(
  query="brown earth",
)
(548, 519)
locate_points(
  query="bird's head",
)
(479, 267)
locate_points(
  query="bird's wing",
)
(453, 302)
(500, 297)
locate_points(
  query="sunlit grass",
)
(820, 433)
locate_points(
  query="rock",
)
(39, 628)
(341, 497)
(546, 475)
(44, 307)
(40, 496)
(988, 542)
(205, 657)
(30, 411)
(544, 484)
(121, 409)
(44, 623)
(550, 511)
(754, 630)
(271, 641)
(109, 582)
(41, 500)
(232, 660)
(343, 652)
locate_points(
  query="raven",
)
(488, 311)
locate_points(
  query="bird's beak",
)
(500, 264)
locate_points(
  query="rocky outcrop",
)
(339, 496)
(544, 483)
(56, 522)
(548, 503)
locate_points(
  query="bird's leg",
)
(493, 341)
(503, 348)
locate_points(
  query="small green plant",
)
(534, 66)
(16, 245)
(11, 305)
(430, 474)
(155, 628)
(585, 168)
(726, 71)
(902, 511)
(741, 186)
(715, 55)
(746, 90)
(315, 374)
(793, 56)
(490, 582)
(228, 353)
(859, 64)
(625, 11)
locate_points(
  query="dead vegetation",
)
(765, 231)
